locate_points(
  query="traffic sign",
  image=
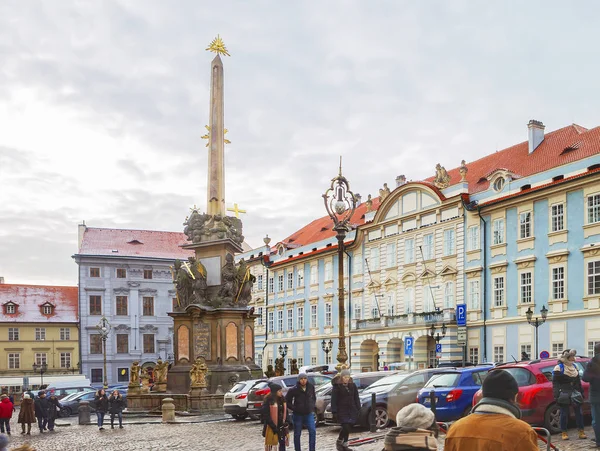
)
(408, 346)
(461, 339)
(461, 314)
(438, 348)
(544, 355)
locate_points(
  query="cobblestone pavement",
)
(206, 436)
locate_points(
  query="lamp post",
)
(436, 336)
(327, 347)
(283, 350)
(40, 368)
(340, 204)
(104, 329)
(266, 262)
(537, 322)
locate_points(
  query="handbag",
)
(564, 399)
(576, 397)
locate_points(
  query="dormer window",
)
(47, 309)
(10, 308)
(499, 184)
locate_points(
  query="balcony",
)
(411, 319)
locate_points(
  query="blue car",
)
(454, 391)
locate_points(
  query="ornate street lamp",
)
(327, 347)
(103, 328)
(266, 262)
(40, 368)
(340, 204)
(283, 350)
(537, 322)
(436, 336)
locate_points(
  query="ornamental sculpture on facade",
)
(198, 373)
(442, 179)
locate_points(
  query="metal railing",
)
(447, 317)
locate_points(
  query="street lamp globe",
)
(544, 313)
(529, 314)
(444, 329)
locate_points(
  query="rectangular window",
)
(10, 309)
(271, 321)
(526, 349)
(259, 360)
(300, 318)
(357, 264)
(473, 239)
(147, 274)
(300, 362)
(47, 310)
(65, 360)
(13, 334)
(391, 310)
(390, 254)
(95, 344)
(428, 299)
(14, 360)
(259, 314)
(149, 343)
(525, 224)
(409, 300)
(279, 283)
(300, 278)
(427, 248)
(122, 344)
(498, 354)
(313, 360)
(95, 305)
(121, 273)
(122, 374)
(375, 312)
(449, 242)
(357, 311)
(148, 309)
(40, 333)
(409, 251)
(591, 346)
(474, 294)
(593, 277)
(374, 259)
(280, 320)
(499, 291)
(259, 282)
(313, 275)
(558, 217)
(290, 319)
(557, 350)
(41, 358)
(449, 295)
(313, 316)
(328, 271)
(94, 272)
(593, 205)
(498, 231)
(558, 282)
(122, 305)
(525, 287)
(474, 356)
(328, 314)
(290, 280)
(96, 376)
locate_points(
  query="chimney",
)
(81, 228)
(358, 199)
(400, 180)
(1, 280)
(535, 134)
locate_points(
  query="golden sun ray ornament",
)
(207, 136)
(218, 46)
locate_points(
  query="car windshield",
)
(443, 380)
(260, 386)
(523, 376)
(385, 384)
(71, 396)
(237, 387)
(323, 389)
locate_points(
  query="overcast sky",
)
(102, 105)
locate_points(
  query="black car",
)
(70, 405)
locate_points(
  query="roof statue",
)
(442, 179)
(463, 171)
(218, 46)
(369, 203)
(383, 192)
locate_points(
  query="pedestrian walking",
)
(101, 403)
(495, 422)
(345, 405)
(26, 413)
(301, 400)
(275, 430)
(592, 375)
(6, 411)
(116, 404)
(415, 430)
(53, 411)
(42, 407)
(568, 392)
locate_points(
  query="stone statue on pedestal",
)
(183, 284)
(229, 280)
(245, 281)
(279, 368)
(270, 372)
(145, 377)
(442, 179)
(134, 375)
(198, 373)
(294, 367)
(198, 281)
(160, 372)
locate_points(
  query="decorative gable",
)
(409, 277)
(427, 273)
(390, 281)
(373, 285)
(448, 272)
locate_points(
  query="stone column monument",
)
(212, 321)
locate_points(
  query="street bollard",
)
(84, 412)
(432, 400)
(373, 425)
(168, 410)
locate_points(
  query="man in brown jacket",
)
(495, 423)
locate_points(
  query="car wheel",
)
(66, 412)
(254, 417)
(552, 419)
(382, 420)
(240, 416)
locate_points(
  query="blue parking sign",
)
(438, 348)
(461, 315)
(408, 346)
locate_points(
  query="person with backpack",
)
(274, 417)
(568, 392)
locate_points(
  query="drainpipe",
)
(484, 284)
(349, 307)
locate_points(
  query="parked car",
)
(235, 401)
(453, 391)
(535, 398)
(70, 405)
(329, 368)
(362, 381)
(257, 394)
(62, 389)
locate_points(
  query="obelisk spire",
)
(215, 204)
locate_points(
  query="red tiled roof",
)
(134, 243)
(516, 159)
(30, 298)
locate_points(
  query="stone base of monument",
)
(160, 387)
(152, 402)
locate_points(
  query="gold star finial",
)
(207, 136)
(218, 46)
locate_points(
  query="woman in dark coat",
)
(116, 405)
(566, 385)
(26, 414)
(345, 405)
(53, 411)
(275, 430)
(101, 407)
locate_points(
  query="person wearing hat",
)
(26, 413)
(275, 430)
(592, 375)
(301, 400)
(345, 405)
(495, 422)
(568, 392)
(6, 411)
(415, 430)
(42, 407)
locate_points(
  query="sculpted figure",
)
(463, 170)
(160, 372)
(183, 284)
(145, 377)
(229, 280)
(134, 374)
(369, 204)
(198, 373)
(442, 179)
(384, 192)
(198, 280)
(245, 281)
